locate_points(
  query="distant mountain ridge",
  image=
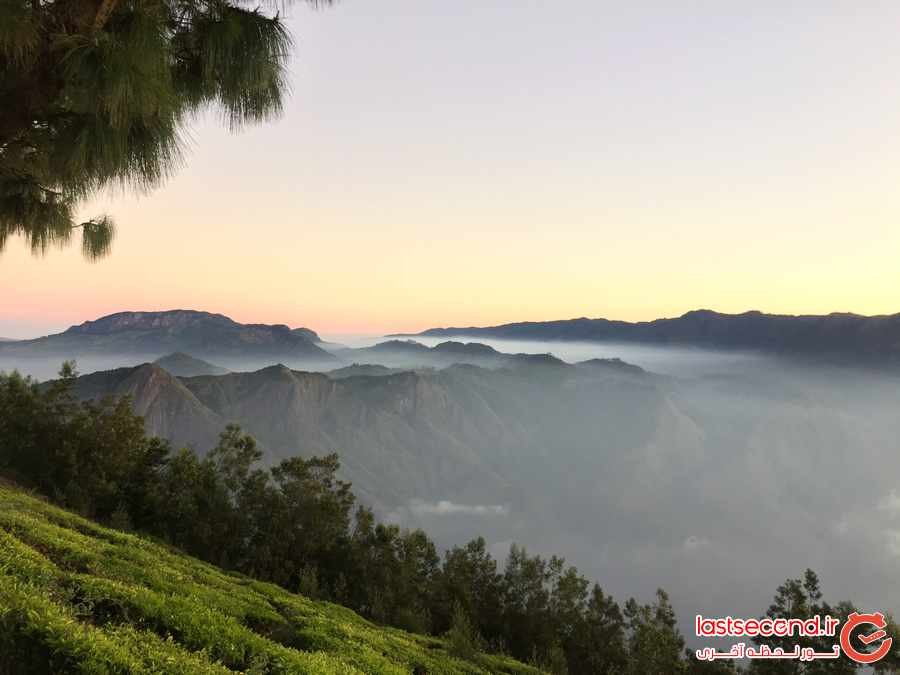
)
(412, 354)
(185, 365)
(201, 334)
(839, 334)
(178, 321)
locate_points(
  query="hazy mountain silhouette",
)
(401, 435)
(169, 408)
(845, 337)
(185, 365)
(362, 369)
(201, 334)
(412, 354)
(695, 480)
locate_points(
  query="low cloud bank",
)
(447, 508)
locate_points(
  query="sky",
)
(474, 163)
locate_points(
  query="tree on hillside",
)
(655, 644)
(526, 582)
(463, 640)
(97, 93)
(801, 598)
(469, 580)
(91, 457)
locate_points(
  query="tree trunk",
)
(103, 13)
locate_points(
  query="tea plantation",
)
(77, 597)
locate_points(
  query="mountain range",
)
(126, 338)
(838, 336)
(401, 435)
(190, 343)
(600, 460)
(134, 336)
(629, 474)
(412, 354)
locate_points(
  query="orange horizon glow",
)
(592, 162)
(82, 291)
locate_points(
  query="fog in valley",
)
(748, 469)
(47, 367)
(714, 475)
(681, 361)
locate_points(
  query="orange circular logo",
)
(877, 620)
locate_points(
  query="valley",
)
(684, 478)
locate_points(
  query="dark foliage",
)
(297, 525)
(98, 92)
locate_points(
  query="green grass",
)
(77, 597)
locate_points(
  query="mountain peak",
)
(701, 314)
(199, 334)
(127, 321)
(185, 365)
(469, 348)
(175, 319)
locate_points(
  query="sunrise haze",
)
(479, 163)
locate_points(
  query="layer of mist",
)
(715, 480)
(754, 469)
(680, 361)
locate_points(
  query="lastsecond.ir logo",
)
(875, 619)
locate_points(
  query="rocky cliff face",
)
(172, 320)
(169, 408)
(464, 433)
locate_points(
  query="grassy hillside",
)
(77, 597)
